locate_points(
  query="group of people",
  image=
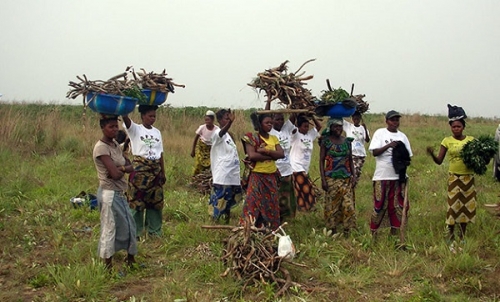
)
(276, 182)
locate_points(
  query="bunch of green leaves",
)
(477, 153)
(135, 92)
(335, 95)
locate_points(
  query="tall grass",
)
(49, 247)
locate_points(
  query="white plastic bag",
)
(286, 248)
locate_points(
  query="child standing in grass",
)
(337, 177)
(202, 143)
(357, 130)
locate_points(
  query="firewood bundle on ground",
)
(202, 182)
(288, 88)
(251, 256)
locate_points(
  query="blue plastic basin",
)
(110, 103)
(155, 97)
(339, 110)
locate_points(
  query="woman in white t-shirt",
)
(202, 143)
(300, 159)
(388, 191)
(357, 130)
(145, 188)
(225, 166)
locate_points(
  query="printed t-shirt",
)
(454, 146)
(283, 136)
(359, 135)
(145, 142)
(224, 160)
(384, 169)
(301, 152)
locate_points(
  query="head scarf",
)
(332, 121)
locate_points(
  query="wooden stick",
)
(404, 215)
(285, 111)
(328, 85)
(352, 89)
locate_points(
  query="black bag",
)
(400, 160)
(456, 113)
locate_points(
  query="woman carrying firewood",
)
(283, 131)
(117, 224)
(202, 143)
(336, 168)
(262, 150)
(461, 189)
(145, 190)
(300, 158)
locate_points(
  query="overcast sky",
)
(412, 56)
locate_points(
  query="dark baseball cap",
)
(391, 114)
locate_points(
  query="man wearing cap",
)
(388, 193)
(202, 143)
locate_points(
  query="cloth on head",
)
(209, 113)
(456, 113)
(332, 121)
(391, 114)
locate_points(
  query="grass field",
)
(49, 248)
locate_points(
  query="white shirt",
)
(224, 160)
(383, 163)
(205, 134)
(301, 152)
(284, 136)
(359, 135)
(145, 142)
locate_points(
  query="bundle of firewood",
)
(288, 88)
(252, 256)
(122, 85)
(155, 81)
(202, 182)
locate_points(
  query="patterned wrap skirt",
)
(201, 157)
(339, 206)
(223, 198)
(261, 202)
(388, 203)
(304, 191)
(358, 162)
(461, 199)
(287, 202)
(145, 185)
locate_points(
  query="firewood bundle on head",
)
(288, 88)
(252, 256)
(363, 106)
(155, 81)
(117, 85)
(123, 85)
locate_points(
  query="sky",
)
(411, 56)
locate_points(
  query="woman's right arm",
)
(127, 121)
(253, 155)
(440, 157)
